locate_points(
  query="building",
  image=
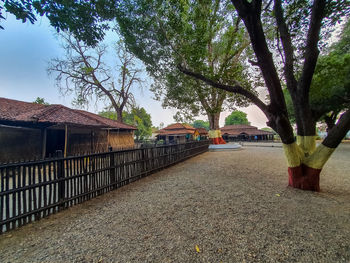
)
(29, 130)
(176, 133)
(245, 133)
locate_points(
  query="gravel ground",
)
(234, 206)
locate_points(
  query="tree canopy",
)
(201, 124)
(237, 117)
(86, 20)
(137, 117)
(162, 34)
(330, 86)
(142, 120)
(40, 100)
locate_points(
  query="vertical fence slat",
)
(7, 205)
(2, 203)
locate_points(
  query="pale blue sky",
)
(25, 51)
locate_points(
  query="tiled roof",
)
(247, 129)
(178, 126)
(177, 129)
(238, 126)
(19, 111)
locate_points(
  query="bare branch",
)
(287, 47)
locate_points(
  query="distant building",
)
(245, 133)
(180, 133)
(29, 130)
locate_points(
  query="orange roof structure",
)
(14, 111)
(177, 129)
(238, 129)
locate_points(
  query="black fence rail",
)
(33, 190)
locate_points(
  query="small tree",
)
(237, 117)
(83, 72)
(137, 117)
(39, 100)
(142, 120)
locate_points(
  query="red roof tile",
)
(177, 129)
(14, 110)
(238, 129)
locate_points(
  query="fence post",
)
(61, 183)
(112, 170)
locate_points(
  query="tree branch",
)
(311, 51)
(338, 132)
(287, 47)
(234, 89)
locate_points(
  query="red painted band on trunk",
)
(218, 140)
(304, 177)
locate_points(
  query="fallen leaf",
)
(278, 195)
(197, 249)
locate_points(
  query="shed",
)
(245, 133)
(29, 130)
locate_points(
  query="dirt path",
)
(234, 206)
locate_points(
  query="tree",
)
(295, 26)
(39, 100)
(137, 117)
(170, 28)
(201, 124)
(84, 69)
(305, 161)
(142, 120)
(330, 86)
(237, 117)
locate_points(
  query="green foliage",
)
(39, 100)
(330, 87)
(200, 124)
(141, 119)
(205, 36)
(87, 20)
(108, 114)
(137, 117)
(237, 117)
(268, 129)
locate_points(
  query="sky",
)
(25, 51)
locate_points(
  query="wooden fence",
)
(33, 190)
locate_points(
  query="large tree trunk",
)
(305, 162)
(214, 120)
(215, 133)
